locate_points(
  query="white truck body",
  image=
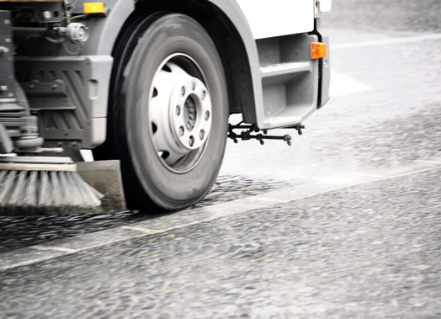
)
(275, 18)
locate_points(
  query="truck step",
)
(282, 72)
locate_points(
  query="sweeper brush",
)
(28, 189)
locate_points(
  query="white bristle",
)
(7, 186)
(45, 195)
(30, 196)
(77, 198)
(17, 191)
(91, 195)
(55, 186)
(50, 192)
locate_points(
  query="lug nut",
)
(204, 93)
(207, 115)
(181, 130)
(194, 85)
(191, 140)
(178, 110)
(201, 135)
(183, 91)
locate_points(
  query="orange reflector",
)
(31, 1)
(97, 7)
(318, 50)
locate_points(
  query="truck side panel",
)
(276, 18)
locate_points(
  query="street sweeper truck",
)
(148, 86)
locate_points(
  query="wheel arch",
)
(224, 22)
(229, 30)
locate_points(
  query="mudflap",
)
(105, 177)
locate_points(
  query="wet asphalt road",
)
(364, 252)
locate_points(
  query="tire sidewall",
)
(173, 33)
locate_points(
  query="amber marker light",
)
(97, 7)
(31, 1)
(318, 50)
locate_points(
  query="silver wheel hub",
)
(180, 112)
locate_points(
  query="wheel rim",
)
(180, 113)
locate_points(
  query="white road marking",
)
(371, 175)
(28, 262)
(144, 230)
(342, 85)
(416, 172)
(435, 36)
(432, 161)
(235, 118)
(67, 250)
(58, 248)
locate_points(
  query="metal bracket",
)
(45, 96)
(297, 127)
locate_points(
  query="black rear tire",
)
(147, 178)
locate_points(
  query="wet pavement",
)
(368, 251)
(19, 232)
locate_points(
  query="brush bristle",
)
(42, 192)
